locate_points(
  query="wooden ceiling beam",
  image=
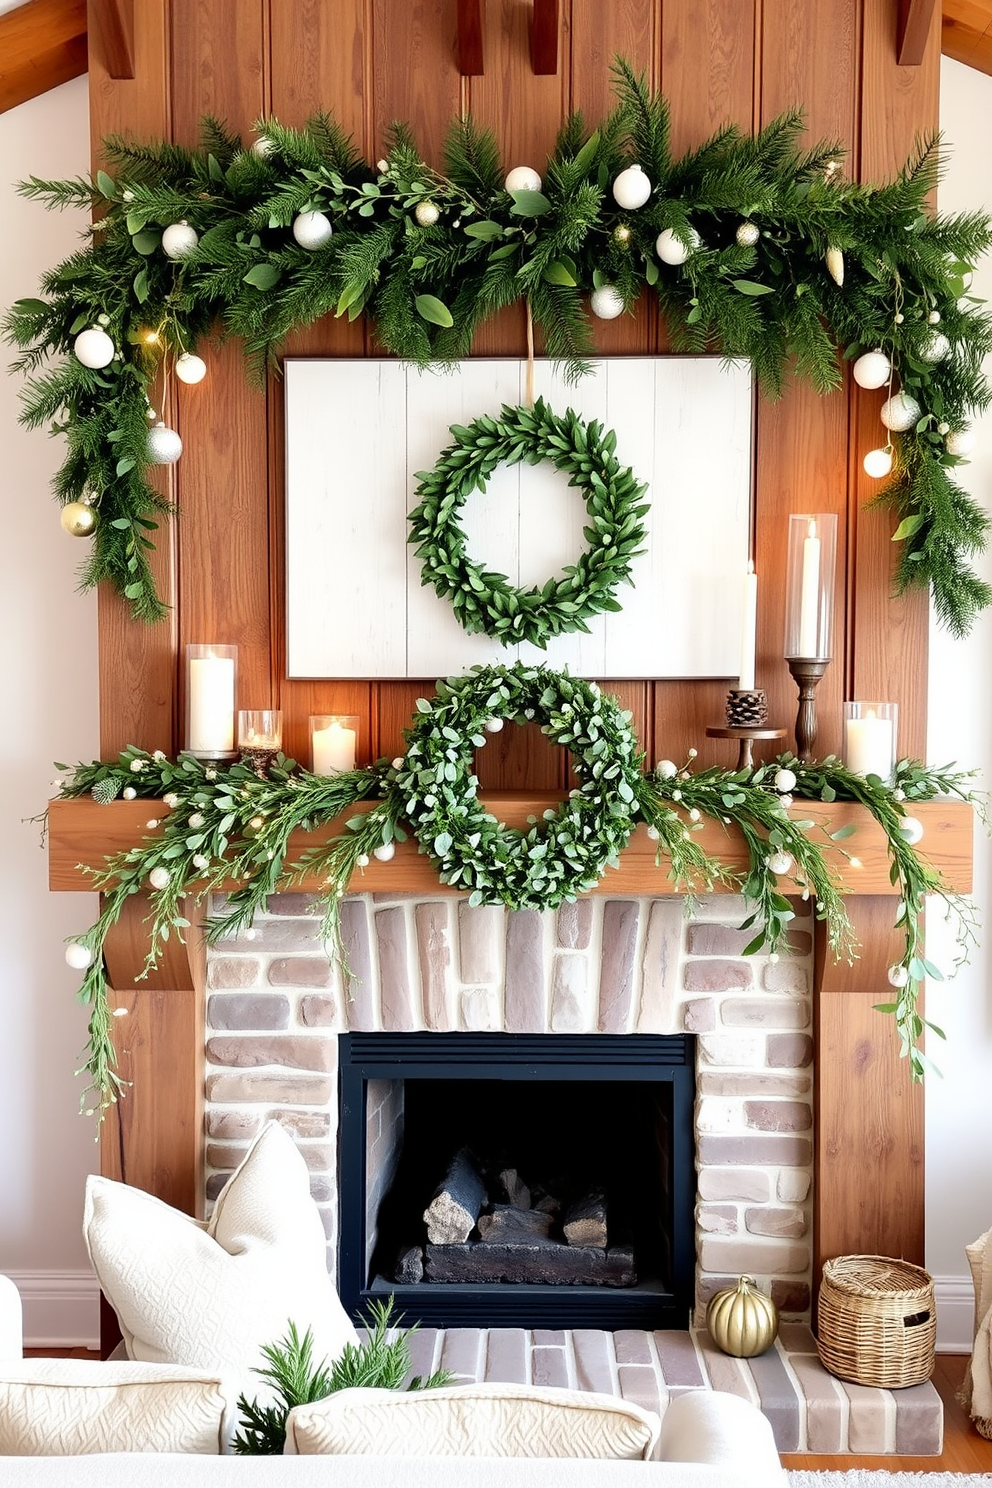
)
(116, 26)
(966, 33)
(42, 44)
(915, 20)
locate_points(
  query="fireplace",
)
(571, 1118)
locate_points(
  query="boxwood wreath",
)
(226, 825)
(487, 601)
(754, 246)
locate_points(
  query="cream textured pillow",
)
(64, 1407)
(208, 1296)
(487, 1420)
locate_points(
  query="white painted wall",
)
(959, 1107)
(49, 692)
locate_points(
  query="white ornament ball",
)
(631, 188)
(785, 781)
(935, 348)
(666, 769)
(872, 370)
(384, 852)
(494, 725)
(877, 463)
(94, 348)
(606, 303)
(671, 249)
(747, 235)
(199, 860)
(943, 428)
(426, 213)
(164, 445)
(312, 230)
(899, 412)
(898, 976)
(129, 793)
(78, 956)
(179, 240)
(262, 146)
(190, 368)
(159, 878)
(362, 860)
(934, 317)
(522, 178)
(911, 830)
(960, 442)
(780, 862)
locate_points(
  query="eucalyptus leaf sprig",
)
(830, 780)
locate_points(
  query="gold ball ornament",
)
(426, 213)
(741, 1320)
(79, 519)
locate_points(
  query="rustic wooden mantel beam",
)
(42, 44)
(913, 29)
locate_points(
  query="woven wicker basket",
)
(877, 1322)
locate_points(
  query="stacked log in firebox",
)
(485, 1227)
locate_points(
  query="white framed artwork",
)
(357, 432)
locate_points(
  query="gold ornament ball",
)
(741, 1320)
(78, 519)
(621, 235)
(426, 213)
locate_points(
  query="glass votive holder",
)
(211, 686)
(870, 738)
(259, 737)
(333, 742)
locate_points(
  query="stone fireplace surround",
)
(275, 1007)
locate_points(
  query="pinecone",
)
(747, 709)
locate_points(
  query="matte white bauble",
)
(785, 781)
(94, 348)
(911, 830)
(78, 956)
(872, 370)
(426, 213)
(671, 249)
(878, 463)
(164, 445)
(935, 348)
(606, 303)
(960, 442)
(666, 769)
(780, 862)
(494, 725)
(747, 235)
(898, 976)
(190, 368)
(312, 230)
(631, 188)
(900, 412)
(262, 146)
(384, 852)
(522, 178)
(159, 878)
(179, 240)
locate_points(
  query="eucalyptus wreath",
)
(214, 826)
(787, 263)
(487, 601)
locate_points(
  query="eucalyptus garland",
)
(781, 260)
(220, 825)
(486, 601)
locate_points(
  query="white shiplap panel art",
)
(358, 431)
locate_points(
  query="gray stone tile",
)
(395, 987)
(480, 937)
(247, 1010)
(616, 979)
(824, 1413)
(570, 994)
(507, 1356)
(595, 1359)
(919, 1421)
(423, 1345)
(360, 1001)
(679, 1364)
(778, 1399)
(463, 1352)
(433, 921)
(632, 1346)
(548, 1367)
(575, 925)
(525, 1008)
(867, 1430)
(640, 1384)
(657, 1010)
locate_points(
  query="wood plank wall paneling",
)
(373, 61)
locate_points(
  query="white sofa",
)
(707, 1440)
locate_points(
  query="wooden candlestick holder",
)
(806, 672)
(746, 738)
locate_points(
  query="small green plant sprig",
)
(381, 1361)
(429, 255)
(488, 602)
(830, 780)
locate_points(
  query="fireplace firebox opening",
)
(566, 1172)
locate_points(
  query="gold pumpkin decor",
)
(741, 1320)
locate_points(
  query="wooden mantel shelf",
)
(83, 833)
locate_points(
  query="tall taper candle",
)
(749, 623)
(809, 598)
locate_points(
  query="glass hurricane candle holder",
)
(333, 742)
(870, 738)
(211, 688)
(259, 737)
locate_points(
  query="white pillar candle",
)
(809, 595)
(749, 624)
(211, 705)
(333, 749)
(868, 745)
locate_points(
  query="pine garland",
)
(226, 824)
(428, 282)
